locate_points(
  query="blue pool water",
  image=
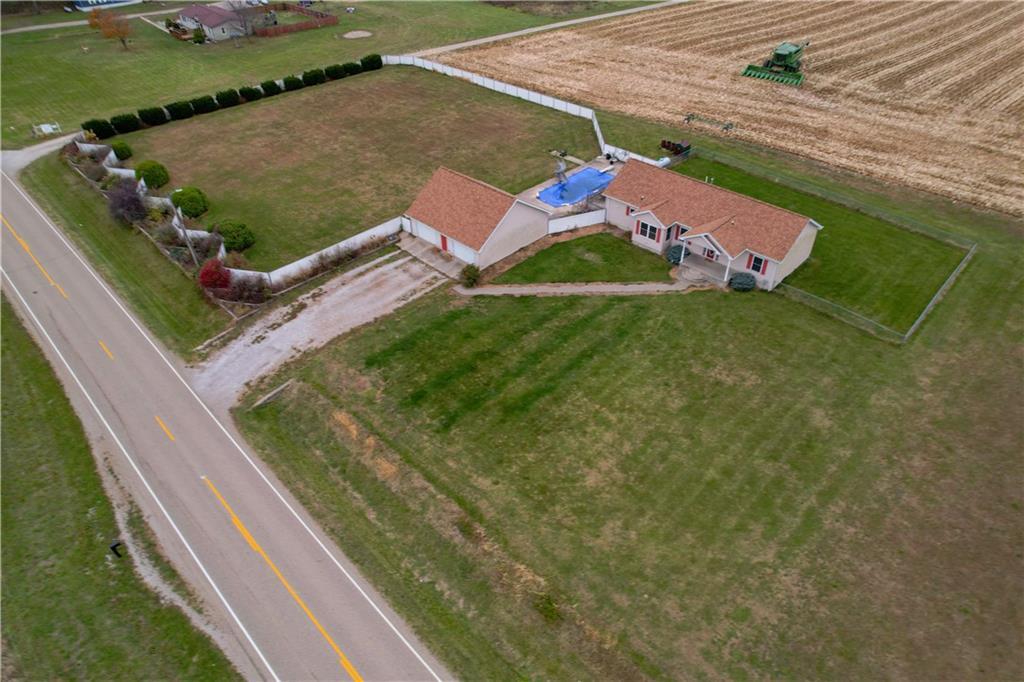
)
(576, 188)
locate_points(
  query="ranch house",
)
(721, 232)
(217, 23)
(475, 222)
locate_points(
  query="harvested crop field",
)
(892, 90)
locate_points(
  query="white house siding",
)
(522, 225)
(765, 280)
(428, 234)
(643, 242)
(798, 253)
(615, 211)
(224, 31)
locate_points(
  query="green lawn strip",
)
(73, 74)
(875, 268)
(595, 258)
(303, 183)
(672, 470)
(168, 301)
(72, 610)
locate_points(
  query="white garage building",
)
(475, 222)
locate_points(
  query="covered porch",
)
(704, 259)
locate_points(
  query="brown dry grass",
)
(923, 94)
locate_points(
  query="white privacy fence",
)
(576, 221)
(548, 101)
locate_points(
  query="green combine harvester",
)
(782, 67)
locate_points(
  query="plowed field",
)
(927, 94)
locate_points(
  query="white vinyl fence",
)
(573, 222)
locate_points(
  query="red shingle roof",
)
(735, 221)
(460, 207)
(208, 15)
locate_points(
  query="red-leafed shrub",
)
(213, 275)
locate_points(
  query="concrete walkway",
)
(13, 160)
(582, 289)
(82, 22)
(546, 27)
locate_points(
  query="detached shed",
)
(475, 222)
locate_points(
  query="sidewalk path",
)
(581, 289)
(546, 27)
(82, 22)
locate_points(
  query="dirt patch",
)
(352, 35)
(883, 95)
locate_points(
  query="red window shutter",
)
(637, 229)
(657, 236)
(764, 265)
(750, 261)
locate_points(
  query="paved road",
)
(291, 604)
(81, 22)
(546, 27)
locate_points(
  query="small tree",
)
(213, 275)
(121, 149)
(124, 202)
(313, 77)
(111, 25)
(191, 201)
(153, 172)
(99, 127)
(236, 235)
(153, 116)
(352, 68)
(293, 83)
(371, 62)
(250, 94)
(335, 71)
(228, 98)
(198, 35)
(180, 110)
(125, 123)
(270, 88)
(470, 276)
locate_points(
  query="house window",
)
(757, 264)
(710, 254)
(649, 231)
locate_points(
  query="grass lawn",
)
(70, 75)
(307, 169)
(595, 258)
(166, 299)
(774, 494)
(873, 267)
(71, 610)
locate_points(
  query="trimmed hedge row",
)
(177, 111)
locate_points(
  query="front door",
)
(444, 243)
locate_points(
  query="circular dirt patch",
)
(357, 34)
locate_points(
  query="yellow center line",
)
(164, 427)
(109, 354)
(349, 668)
(31, 255)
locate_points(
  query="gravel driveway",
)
(344, 303)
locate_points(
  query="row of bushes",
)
(176, 111)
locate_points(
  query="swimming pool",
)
(577, 187)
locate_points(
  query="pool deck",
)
(529, 196)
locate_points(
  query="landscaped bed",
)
(600, 257)
(307, 169)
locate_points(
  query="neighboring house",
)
(217, 23)
(473, 221)
(721, 232)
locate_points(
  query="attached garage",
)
(475, 222)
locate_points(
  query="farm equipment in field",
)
(782, 67)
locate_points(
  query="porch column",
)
(727, 266)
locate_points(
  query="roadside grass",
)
(304, 182)
(698, 486)
(166, 299)
(71, 610)
(595, 258)
(71, 75)
(875, 268)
